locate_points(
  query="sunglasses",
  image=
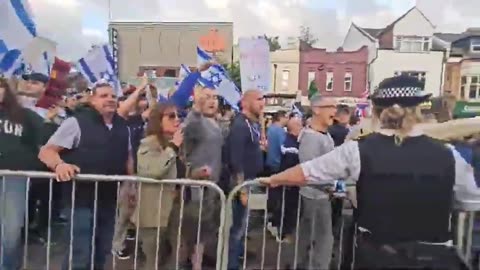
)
(172, 116)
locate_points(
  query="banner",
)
(255, 64)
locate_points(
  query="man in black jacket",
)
(96, 141)
(290, 194)
(339, 130)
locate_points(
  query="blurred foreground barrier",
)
(185, 201)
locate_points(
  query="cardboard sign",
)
(255, 67)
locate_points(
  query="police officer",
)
(405, 182)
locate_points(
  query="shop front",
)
(464, 109)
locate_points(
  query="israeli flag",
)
(184, 72)
(98, 65)
(203, 57)
(11, 63)
(40, 55)
(17, 30)
(216, 77)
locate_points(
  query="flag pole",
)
(109, 11)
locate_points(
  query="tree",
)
(307, 36)
(273, 42)
(234, 72)
(312, 89)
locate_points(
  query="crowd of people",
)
(95, 132)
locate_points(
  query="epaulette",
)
(363, 134)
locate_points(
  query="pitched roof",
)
(377, 32)
(450, 37)
(373, 31)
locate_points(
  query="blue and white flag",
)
(11, 63)
(17, 30)
(296, 111)
(216, 77)
(203, 57)
(98, 65)
(40, 54)
(184, 72)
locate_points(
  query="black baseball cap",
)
(39, 77)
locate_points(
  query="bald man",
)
(245, 161)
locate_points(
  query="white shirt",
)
(344, 163)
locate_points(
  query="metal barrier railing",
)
(183, 183)
(466, 206)
(254, 202)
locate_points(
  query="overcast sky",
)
(77, 24)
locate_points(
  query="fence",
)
(200, 185)
(465, 207)
(272, 255)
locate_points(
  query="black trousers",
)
(40, 192)
(414, 255)
(290, 208)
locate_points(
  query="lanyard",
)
(253, 130)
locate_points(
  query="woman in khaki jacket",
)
(157, 159)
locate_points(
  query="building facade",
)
(404, 47)
(164, 46)
(336, 74)
(285, 70)
(462, 71)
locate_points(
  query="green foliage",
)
(312, 89)
(307, 36)
(273, 42)
(234, 73)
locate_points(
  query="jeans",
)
(12, 216)
(82, 236)
(237, 234)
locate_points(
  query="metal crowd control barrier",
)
(49, 264)
(465, 204)
(259, 202)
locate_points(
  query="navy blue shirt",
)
(276, 137)
(244, 152)
(136, 124)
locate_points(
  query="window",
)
(421, 75)
(348, 82)
(473, 86)
(329, 81)
(311, 77)
(475, 45)
(462, 87)
(412, 44)
(285, 79)
(170, 73)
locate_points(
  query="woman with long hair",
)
(157, 159)
(405, 182)
(20, 134)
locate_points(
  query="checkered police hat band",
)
(396, 92)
